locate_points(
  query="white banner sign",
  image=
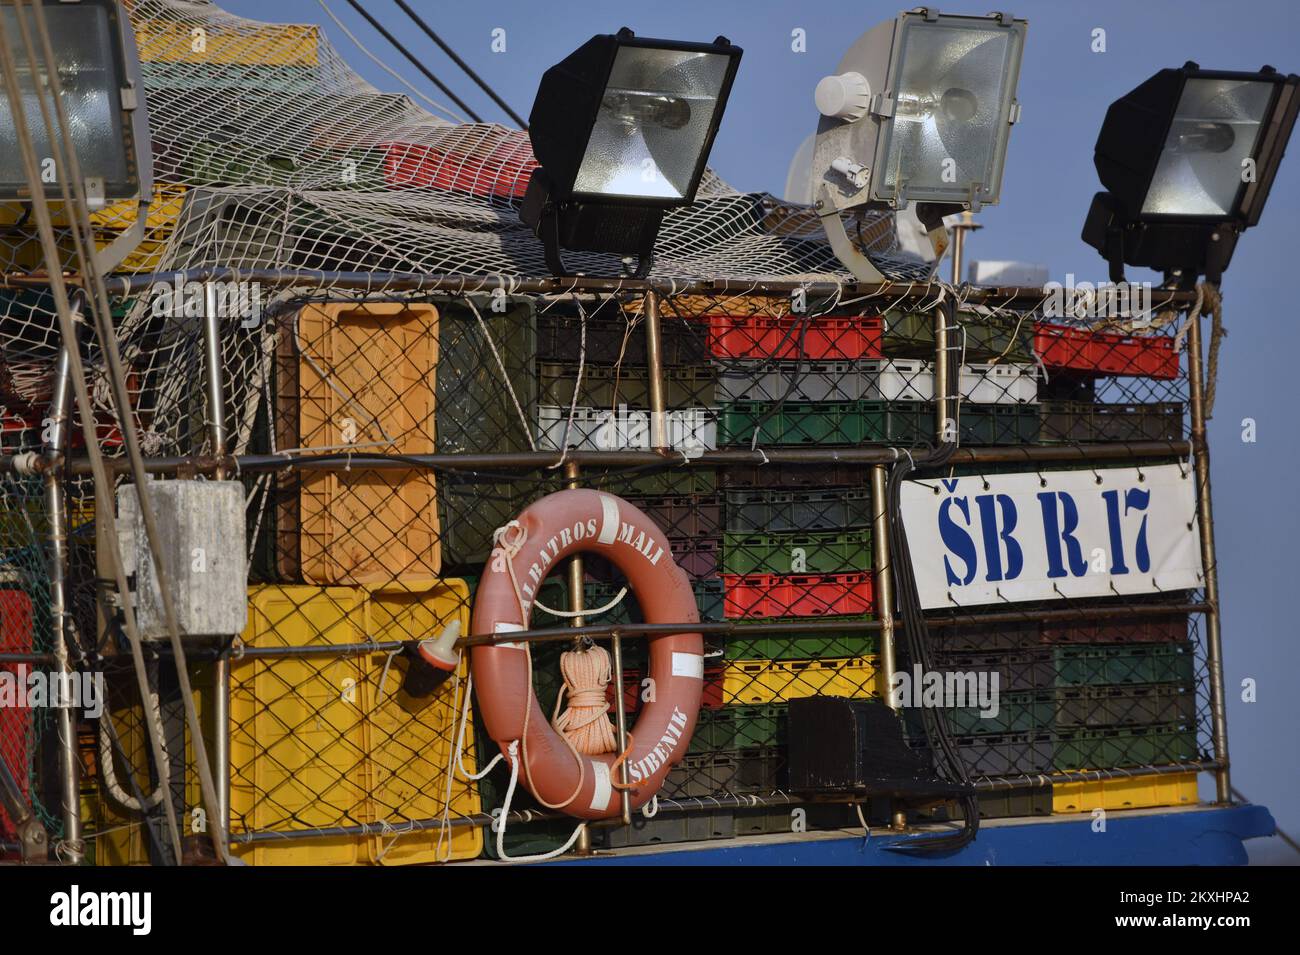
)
(1010, 537)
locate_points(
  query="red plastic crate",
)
(632, 677)
(1077, 349)
(497, 168)
(824, 339)
(15, 721)
(797, 595)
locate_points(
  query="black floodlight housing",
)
(1188, 159)
(622, 129)
(920, 110)
(99, 75)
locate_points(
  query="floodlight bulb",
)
(632, 109)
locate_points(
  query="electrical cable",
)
(410, 58)
(462, 64)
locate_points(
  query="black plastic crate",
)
(777, 511)
(1082, 422)
(609, 341)
(789, 476)
(668, 827)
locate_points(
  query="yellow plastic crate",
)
(364, 376)
(272, 44)
(778, 681)
(328, 741)
(1137, 792)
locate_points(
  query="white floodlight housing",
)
(919, 110)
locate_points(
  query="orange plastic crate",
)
(823, 339)
(1078, 349)
(797, 595)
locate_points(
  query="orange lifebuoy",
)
(549, 530)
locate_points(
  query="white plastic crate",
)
(623, 429)
(897, 380)
(1001, 384)
(770, 381)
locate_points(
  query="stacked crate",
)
(1082, 695)
(1106, 386)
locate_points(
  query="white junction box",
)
(202, 537)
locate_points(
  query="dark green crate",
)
(999, 804)
(679, 481)
(1131, 663)
(1025, 712)
(1095, 706)
(604, 386)
(701, 825)
(731, 728)
(792, 646)
(794, 423)
(1124, 747)
(982, 338)
(708, 597)
(999, 424)
(1084, 422)
(824, 553)
(776, 511)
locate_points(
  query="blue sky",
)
(1065, 88)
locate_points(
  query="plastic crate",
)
(794, 338)
(1009, 755)
(1131, 663)
(791, 381)
(898, 379)
(740, 727)
(825, 553)
(16, 721)
(606, 387)
(667, 828)
(675, 481)
(778, 511)
(708, 597)
(621, 429)
(984, 638)
(1124, 747)
(999, 424)
(797, 595)
(793, 646)
(1002, 383)
(779, 681)
(787, 476)
(1083, 422)
(694, 515)
(1093, 706)
(699, 776)
(795, 422)
(979, 336)
(1018, 670)
(1170, 628)
(609, 341)
(998, 804)
(1077, 349)
(1135, 792)
(304, 753)
(349, 374)
(1024, 712)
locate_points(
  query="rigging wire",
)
(410, 58)
(420, 22)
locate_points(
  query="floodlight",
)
(622, 130)
(920, 111)
(1188, 159)
(99, 76)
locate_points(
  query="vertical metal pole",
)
(216, 416)
(883, 584)
(958, 248)
(942, 374)
(655, 361)
(1205, 521)
(55, 506)
(577, 602)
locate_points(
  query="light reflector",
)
(655, 118)
(1215, 127)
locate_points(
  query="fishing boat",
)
(395, 514)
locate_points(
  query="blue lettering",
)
(994, 538)
(1117, 565)
(958, 541)
(1054, 535)
(1136, 499)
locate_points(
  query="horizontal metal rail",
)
(700, 804)
(126, 285)
(542, 460)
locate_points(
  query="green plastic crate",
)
(981, 338)
(794, 423)
(1125, 747)
(604, 386)
(1131, 663)
(731, 728)
(708, 597)
(999, 424)
(796, 553)
(791, 646)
